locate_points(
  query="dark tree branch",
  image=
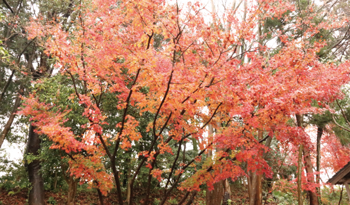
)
(13, 71)
(150, 179)
(165, 124)
(184, 198)
(173, 166)
(347, 129)
(343, 113)
(74, 84)
(212, 116)
(96, 101)
(149, 40)
(8, 6)
(190, 201)
(188, 164)
(161, 104)
(7, 127)
(104, 145)
(7, 85)
(124, 114)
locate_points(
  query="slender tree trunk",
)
(148, 189)
(55, 182)
(117, 181)
(308, 165)
(318, 161)
(300, 158)
(255, 181)
(214, 196)
(268, 181)
(300, 162)
(341, 195)
(7, 85)
(190, 201)
(100, 196)
(258, 195)
(184, 198)
(8, 125)
(72, 183)
(227, 192)
(36, 194)
(128, 193)
(310, 176)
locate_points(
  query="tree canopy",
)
(140, 84)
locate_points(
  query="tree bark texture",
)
(36, 194)
(252, 188)
(72, 190)
(215, 196)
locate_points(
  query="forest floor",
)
(20, 197)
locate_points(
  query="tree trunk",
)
(227, 192)
(116, 180)
(300, 162)
(318, 161)
(214, 196)
(310, 176)
(36, 194)
(267, 181)
(255, 187)
(72, 190)
(252, 188)
(300, 158)
(258, 195)
(308, 168)
(100, 196)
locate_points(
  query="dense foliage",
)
(154, 96)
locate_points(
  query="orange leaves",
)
(162, 73)
(90, 169)
(157, 173)
(130, 132)
(164, 147)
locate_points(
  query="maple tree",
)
(165, 61)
